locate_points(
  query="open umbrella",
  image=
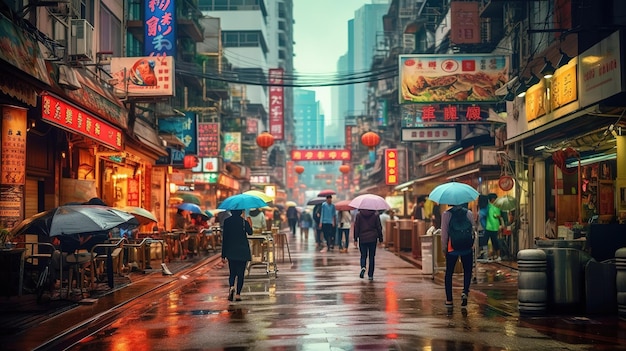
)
(75, 219)
(193, 208)
(343, 205)
(189, 197)
(316, 200)
(260, 194)
(505, 203)
(369, 202)
(326, 192)
(242, 202)
(453, 193)
(143, 216)
(290, 204)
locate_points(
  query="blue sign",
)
(185, 129)
(159, 38)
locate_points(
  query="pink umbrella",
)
(326, 192)
(343, 205)
(369, 202)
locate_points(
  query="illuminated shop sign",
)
(159, 28)
(276, 103)
(391, 166)
(73, 119)
(321, 155)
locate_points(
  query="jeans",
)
(292, 225)
(368, 250)
(329, 234)
(343, 233)
(451, 260)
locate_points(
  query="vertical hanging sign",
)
(13, 174)
(276, 103)
(159, 28)
(391, 166)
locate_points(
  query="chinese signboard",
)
(564, 86)
(535, 101)
(232, 147)
(381, 113)
(452, 78)
(68, 117)
(133, 191)
(208, 139)
(159, 28)
(143, 76)
(391, 166)
(600, 71)
(13, 174)
(465, 23)
(252, 126)
(184, 129)
(429, 134)
(321, 155)
(276, 104)
(439, 114)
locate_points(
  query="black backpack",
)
(460, 230)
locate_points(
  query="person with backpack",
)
(457, 241)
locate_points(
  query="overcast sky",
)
(321, 36)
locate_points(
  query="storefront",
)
(570, 140)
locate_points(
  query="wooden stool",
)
(280, 240)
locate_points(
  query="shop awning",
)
(149, 137)
(172, 140)
(472, 171)
(404, 185)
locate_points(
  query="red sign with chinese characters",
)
(391, 166)
(465, 23)
(276, 105)
(291, 176)
(73, 119)
(321, 155)
(133, 192)
(208, 139)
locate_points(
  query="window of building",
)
(110, 32)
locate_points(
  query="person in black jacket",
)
(236, 250)
(367, 230)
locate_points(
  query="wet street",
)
(318, 302)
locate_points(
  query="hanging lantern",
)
(328, 181)
(299, 169)
(265, 140)
(370, 139)
(344, 169)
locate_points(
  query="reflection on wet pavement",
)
(319, 303)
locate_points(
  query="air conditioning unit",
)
(81, 48)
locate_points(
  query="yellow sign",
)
(536, 101)
(564, 87)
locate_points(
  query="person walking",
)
(481, 224)
(236, 250)
(317, 216)
(306, 222)
(343, 231)
(367, 232)
(292, 219)
(328, 223)
(456, 242)
(492, 226)
(257, 220)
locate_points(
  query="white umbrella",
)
(369, 202)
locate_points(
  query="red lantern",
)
(299, 169)
(370, 139)
(190, 161)
(344, 169)
(265, 140)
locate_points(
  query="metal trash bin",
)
(532, 292)
(565, 276)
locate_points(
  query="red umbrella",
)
(326, 192)
(343, 205)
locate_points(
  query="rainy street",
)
(318, 302)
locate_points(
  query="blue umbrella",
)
(453, 193)
(242, 202)
(188, 206)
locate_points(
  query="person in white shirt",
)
(343, 232)
(551, 228)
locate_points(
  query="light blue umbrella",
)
(453, 193)
(188, 206)
(242, 202)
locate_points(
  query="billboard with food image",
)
(461, 78)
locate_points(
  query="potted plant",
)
(5, 237)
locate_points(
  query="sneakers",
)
(463, 300)
(231, 294)
(370, 278)
(362, 274)
(497, 259)
(324, 249)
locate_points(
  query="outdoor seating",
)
(77, 264)
(280, 242)
(37, 256)
(135, 252)
(107, 258)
